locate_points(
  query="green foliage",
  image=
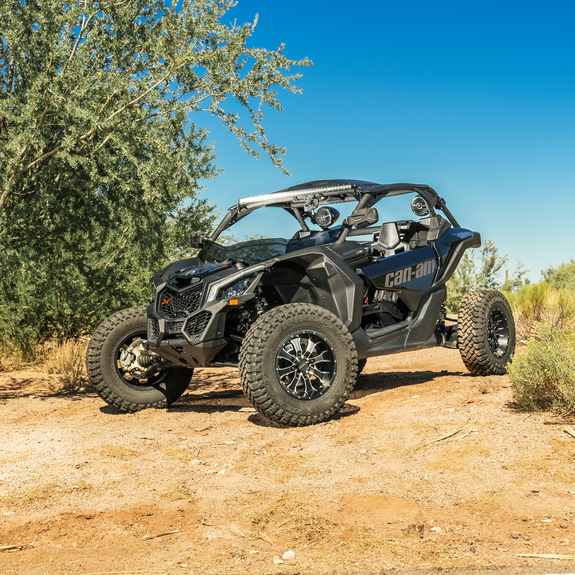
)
(480, 271)
(543, 376)
(541, 303)
(563, 276)
(99, 158)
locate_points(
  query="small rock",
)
(451, 410)
(277, 560)
(253, 551)
(32, 396)
(221, 471)
(436, 528)
(195, 462)
(288, 555)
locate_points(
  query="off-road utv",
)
(300, 316)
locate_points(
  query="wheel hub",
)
(305, 365)
(497, 333)
(136, 360)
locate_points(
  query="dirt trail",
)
(86, 489)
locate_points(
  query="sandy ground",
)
(210, 486)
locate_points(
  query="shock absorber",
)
(258, 306)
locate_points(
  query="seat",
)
(388, 240)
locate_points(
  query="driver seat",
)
(389, 242)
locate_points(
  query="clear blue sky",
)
(476, 99)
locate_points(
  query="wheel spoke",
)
(293, 385)
(283, 354)
(310, 348)
(309, 388)
(319, 358)
(323, 376)
(296, 345)
(283, 372)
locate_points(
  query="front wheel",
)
(298, 364)
(486, 332)
(124, 373)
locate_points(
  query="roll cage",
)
(302, 199)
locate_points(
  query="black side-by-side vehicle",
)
(299, 316)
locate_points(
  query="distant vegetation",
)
(482, 268)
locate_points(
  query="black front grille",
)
(198, 323)
(179, 304)
(175, 326)
(154, 328)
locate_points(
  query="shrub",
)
(561, 276)
(543, 376)
(17, 354)
(68, 360)
(11, 357)
(541, 303)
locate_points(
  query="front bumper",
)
(182, 329)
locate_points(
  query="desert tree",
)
(102, 149)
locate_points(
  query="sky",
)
(476, 99)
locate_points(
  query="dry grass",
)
(54, 491)
(13, 460)
(455, 455)
(183, 455)
(12, 357)
(288, 517)
(366, 547)
(116, 452)
(68, 361)
(540, 303)
(177, 492)
(555, 464)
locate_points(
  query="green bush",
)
(563, 276)
(543, 376)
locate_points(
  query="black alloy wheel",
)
(497, 332)
(305, 365)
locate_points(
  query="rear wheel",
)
(123, 372)
(486, 332)
(298, 364)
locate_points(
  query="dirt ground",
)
(210, 486)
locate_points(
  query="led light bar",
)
(279, 197)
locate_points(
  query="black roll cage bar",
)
(312, 194)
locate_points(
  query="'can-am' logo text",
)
(407, 274)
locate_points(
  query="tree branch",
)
(140, 96)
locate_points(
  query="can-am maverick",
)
(300, 316)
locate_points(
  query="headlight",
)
(237, 289)
(234, 282)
